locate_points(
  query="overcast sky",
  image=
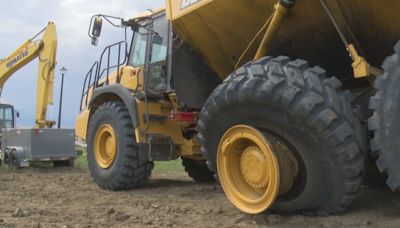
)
(21, 19)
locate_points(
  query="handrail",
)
(88, 82)
(98, 73)
(108, 51)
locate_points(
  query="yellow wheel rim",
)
(105, 146)
(248, 169)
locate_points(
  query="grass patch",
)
(2, 166)
(41, 164)
(160, 167)
(81, 161)
(167, 167)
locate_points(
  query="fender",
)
(101, 94)
(21, 156)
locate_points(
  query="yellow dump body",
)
(220, 30)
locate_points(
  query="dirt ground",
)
(68, 198)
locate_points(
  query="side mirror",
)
(17, 114)
(96, 30)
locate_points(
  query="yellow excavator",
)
(245, 88)
(45, 50)
(20, 146)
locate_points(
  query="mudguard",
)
(102, 94)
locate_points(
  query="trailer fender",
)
(17, 156)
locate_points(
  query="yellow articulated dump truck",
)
(283, 102)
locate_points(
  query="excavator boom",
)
(47, 63)
(45, 50)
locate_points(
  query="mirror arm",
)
(96, 25)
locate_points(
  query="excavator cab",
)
(7, 120)
(7, 116)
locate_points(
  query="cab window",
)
(8, 113)
(6, 117)
(138, 51)
(157, 77)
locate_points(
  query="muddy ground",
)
(40, 197)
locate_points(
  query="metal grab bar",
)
(88, 82)
(98, 72)
(107, 51)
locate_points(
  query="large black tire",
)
(7, 158)
(198, 170)
(385, 120)
(128, 170)
(14, 162)
(299, 105)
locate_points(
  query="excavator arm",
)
(45, 50)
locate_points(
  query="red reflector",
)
(183, 116)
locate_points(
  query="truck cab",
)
(163, 74)
(159, 84)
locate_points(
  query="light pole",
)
(63, 71)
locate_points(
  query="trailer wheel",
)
(197, 170)
(7, 157)
(14, 159)
(384, 122)
(113, 154)
(276, 119)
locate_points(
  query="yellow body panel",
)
(221, 30)
(82, 123)
(16, 60)
(191, 149)
(168, 128)
(179, 8)
(131, 78)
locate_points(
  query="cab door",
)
(158, 75)
(150, 51)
